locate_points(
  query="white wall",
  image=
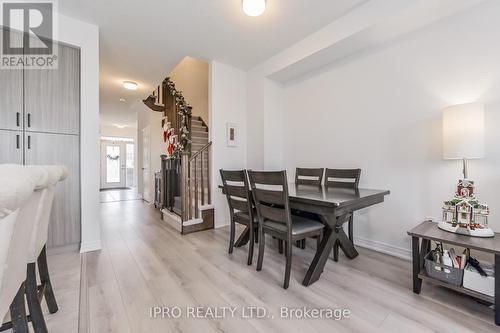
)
(86, 36)
(191, 77)
(380, 111)
(228, 93)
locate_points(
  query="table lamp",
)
(463, 138)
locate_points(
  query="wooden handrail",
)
(204, 148)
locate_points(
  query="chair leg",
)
(288, 267)
(256, 235)
(251, 245)
(43, 270)
(18, 313)
(231, 237)
(280, 246)
(350, 226)
(34, 307)
(262, 242)
(303, 244)
(318, 241)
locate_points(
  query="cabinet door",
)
(11, 147)
(11, 94)
(45, 148)
(52, 96)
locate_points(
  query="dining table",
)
(333, 206)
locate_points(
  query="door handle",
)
(18, 119)
(29, 119)
(29, 141)
(18, 141)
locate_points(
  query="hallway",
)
(144, 264)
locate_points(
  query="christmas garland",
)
(184, 111)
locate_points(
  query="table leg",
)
(320, 258)
(330, 236)
(417, 283)
(497, 289)
(244, 237)
(346, 244)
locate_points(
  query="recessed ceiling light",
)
(122, 99)
(130, 85)
(254, 7)
(120, 126)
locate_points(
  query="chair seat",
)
(300, 226)
(244, 218)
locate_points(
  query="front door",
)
(113, 170)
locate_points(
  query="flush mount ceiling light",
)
(120, 126)
(254, 7)
(130, 85)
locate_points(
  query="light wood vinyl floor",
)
(145, 263)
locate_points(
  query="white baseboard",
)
(91, 246)
(385, 248)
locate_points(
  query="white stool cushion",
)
(6, 231)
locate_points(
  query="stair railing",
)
(195, 179)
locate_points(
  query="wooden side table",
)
(427, 231)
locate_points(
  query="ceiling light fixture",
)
(130, 85)
(254, 7)
(120, 126)
(122, 99)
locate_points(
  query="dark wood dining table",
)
(333, 206)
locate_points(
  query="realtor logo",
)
(28, 34)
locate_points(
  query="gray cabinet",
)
(11, 147)
(52, 96)
(40, 124)
(48, 148)
(11, 98)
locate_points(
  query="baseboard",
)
(91, 246)
(385, 248)
(192, 222)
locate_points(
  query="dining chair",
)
(307, 176)
(270, 194)
(240, 204)
(343, 178)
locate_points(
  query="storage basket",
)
(442, 272)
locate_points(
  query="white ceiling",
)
(143, 40)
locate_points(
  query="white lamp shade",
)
(463, 131)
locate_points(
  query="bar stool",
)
(37, 252)
(16, 198)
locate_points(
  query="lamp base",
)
(484, 233)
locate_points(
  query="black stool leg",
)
(18, 313)
(43, 270)
(33, 303)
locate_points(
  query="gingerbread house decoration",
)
(464, 210)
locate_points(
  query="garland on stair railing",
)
(184, 111)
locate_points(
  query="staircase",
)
(188, 169)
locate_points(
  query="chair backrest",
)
(308, 176)
(237, 191)
(270, 193)
(345, 178)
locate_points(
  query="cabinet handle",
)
(18, 119)
(29, 119)
(29, 141)
(18, 141)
